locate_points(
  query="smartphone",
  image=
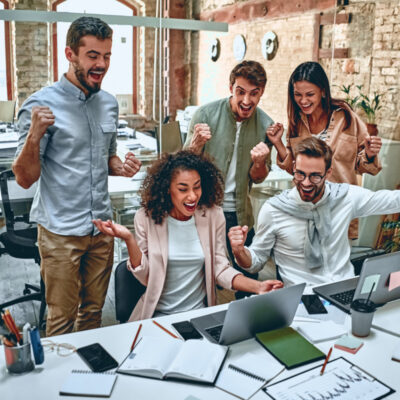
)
(187, 330)
(313, 304)
(97, 358)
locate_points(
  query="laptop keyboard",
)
(215, 332)
(344, 297)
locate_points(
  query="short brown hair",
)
(85, 26)
(253, 71)
(316, 148)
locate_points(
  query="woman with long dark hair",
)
(312, 111)
(179, 248)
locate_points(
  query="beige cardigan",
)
(153, 242)
(349, 157)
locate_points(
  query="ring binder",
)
(247, 373)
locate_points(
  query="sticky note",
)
(394, 280)
(368, 282)
(349, 341)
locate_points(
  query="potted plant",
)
(368, 105)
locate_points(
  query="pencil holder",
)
(19, 359)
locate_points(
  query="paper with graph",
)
(341, 380)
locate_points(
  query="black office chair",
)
(128, 291)
(20, 238)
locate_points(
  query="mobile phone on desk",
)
(187, 330)
(97, 358)
(313, 304)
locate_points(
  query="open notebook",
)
(165, 357)
(88, 383)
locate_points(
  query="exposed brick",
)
(389, 71)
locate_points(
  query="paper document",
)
(341, 380)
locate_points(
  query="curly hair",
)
(154, 191)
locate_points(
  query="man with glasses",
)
(305, 228)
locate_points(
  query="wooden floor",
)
(14, 273)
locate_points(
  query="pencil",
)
(166, 330)
(136, 336)
(326, 361)
(15, 330)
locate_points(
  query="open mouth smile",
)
(190, 206)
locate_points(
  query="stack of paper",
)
(322, 331)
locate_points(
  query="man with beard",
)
(68, 139)
(233, 131)
(305, 228)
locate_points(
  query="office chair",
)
(128, 291)
(19, 240)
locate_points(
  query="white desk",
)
(45, 381)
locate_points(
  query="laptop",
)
(376, 269)
(246, 317)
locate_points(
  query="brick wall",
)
(373, 37)
(31, 52)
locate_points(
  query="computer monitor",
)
(171, 139)
(7, 111)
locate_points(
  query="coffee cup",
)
(19, 358)
(362, 313)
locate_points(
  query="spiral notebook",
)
(244, 376)
(88, 383)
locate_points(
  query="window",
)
(121, 76)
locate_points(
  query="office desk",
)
(45, 381)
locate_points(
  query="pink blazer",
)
(153, 242)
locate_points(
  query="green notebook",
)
(289, 347)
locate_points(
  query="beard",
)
(318, 191)
(82, 79)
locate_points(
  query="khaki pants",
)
(76, 271)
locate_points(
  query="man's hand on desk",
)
(131, 165)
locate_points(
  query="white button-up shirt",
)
(284, 235)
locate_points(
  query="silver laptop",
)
(376, 269)
(246, 317)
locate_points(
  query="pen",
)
(136, 336)
(326, 361)
(166, 330)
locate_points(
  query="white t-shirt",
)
(230, 180)
(184, 287)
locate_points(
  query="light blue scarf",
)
(319, 218)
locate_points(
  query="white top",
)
(230, 180)
(285, 234)
(184, 287)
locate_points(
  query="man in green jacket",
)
(233, 131)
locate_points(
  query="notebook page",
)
(245, 375)
(198, 359)
(88, 383)
(152, 354)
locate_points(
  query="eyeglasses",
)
(313, 178)
(63, 349)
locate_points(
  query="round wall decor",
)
(239, 47)
(215, 49)
(269, 45)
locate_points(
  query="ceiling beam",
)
(148, 22)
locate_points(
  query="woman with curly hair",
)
(179, 248)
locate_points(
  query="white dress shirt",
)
(284, 235)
